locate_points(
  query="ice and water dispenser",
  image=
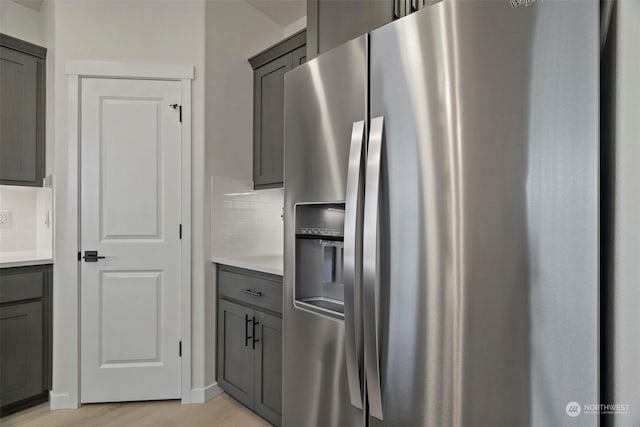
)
(319, 254)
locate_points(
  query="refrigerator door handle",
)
(370, 273)
(351, 270)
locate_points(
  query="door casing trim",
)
(67, 225)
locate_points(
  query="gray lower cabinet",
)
(268, 368)
(250, 340)
(235, 352)
(22, 80)
(269, 68)
(21, 332)
(25, 336)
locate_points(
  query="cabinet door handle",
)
(250, 292)
(255, 323)
(247, 337)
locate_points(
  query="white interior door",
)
(130, 214)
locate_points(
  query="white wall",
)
(245, 222)
(21, 22)
(126, 31)
(47, 25)
(234, 32)
(20, 235)
(294, 27)
(29, 233)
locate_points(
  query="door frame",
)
(67, 264)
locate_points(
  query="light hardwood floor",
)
(221, 411)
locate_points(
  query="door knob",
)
(91, 256)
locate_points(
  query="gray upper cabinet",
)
(268, 122)
(299, 56)
(22, 97)
(331, 23)
(269, 68)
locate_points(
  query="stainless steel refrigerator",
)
(441, 221)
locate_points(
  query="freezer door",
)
(487, 259)
(325, 106)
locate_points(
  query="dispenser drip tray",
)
(331, 304)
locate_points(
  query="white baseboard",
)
(61, 401)
(198, 395)
(201, 395)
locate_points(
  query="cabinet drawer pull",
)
(250, 292)
(255, 323)
(247, 337)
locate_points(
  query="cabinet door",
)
(331, 23)
(21, 144)
(268, 122)
(299, 56)
(235, 352)
(268, 368)
(21, 351)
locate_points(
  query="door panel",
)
(268, 368)
(491, 144)
(235, 351)
(131, 139)
(130, 327)
(130, 147)
(324, 97)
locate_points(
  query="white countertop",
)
(266, 263)
(25, 258)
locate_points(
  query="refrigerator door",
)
(325, 104)
(487, 245)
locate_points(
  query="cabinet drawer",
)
(21, 283)
(252, 289)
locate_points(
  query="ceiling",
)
(31, 4)
(283, 12)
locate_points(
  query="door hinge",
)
(180, 349)
(180, 231)
(179, 108)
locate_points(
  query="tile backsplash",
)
(245, 221)
(28, 212)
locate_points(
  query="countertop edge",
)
(26, 263)
(248, 265)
